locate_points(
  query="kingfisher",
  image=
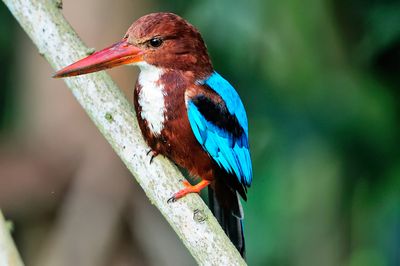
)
(186, 111)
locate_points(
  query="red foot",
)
(188, 189)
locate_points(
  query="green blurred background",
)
(320, 82)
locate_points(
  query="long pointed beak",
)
(120, 53)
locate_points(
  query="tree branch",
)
(8, 252)
(114, 116)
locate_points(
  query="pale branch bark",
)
(114, 116)
(9, 255)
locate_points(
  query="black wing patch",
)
(219, 115)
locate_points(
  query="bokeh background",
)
(320, 81)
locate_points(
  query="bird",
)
(186, 111)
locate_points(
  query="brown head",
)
(160, 39)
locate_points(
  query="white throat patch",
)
(151, 97)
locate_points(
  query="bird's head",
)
(163, 40)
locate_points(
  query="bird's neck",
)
(150, 76)
(151, 72)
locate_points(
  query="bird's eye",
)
(156, 42)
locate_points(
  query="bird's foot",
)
(153, 154)
(188, 189)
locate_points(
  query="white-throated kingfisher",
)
(186, 111)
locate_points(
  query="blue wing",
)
(221, 128)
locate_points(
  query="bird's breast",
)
(162, 115)
(151, 98)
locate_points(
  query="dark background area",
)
(320, 82)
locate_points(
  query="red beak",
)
(121, 53)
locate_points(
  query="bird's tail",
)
(229, 214)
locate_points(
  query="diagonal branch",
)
(114, 117)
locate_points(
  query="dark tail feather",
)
(230, 219)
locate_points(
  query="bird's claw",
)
(181, 193)
(154, 154)
(188, 189)
(151, 159)
(172, 199)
